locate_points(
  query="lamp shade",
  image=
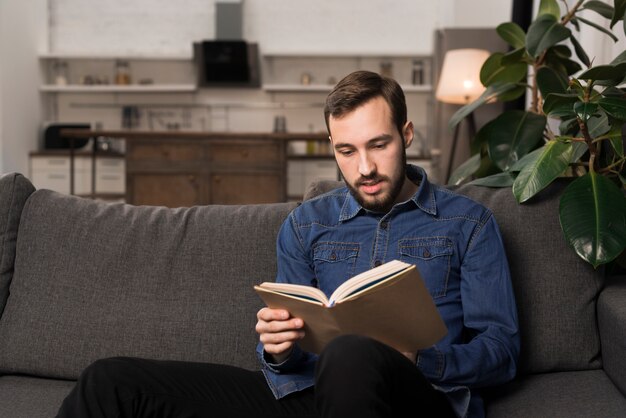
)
(459, 81)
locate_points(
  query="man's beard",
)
(384, 203)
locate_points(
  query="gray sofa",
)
(82, 279)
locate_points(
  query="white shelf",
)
(126, 57)
(325, 88)
(110, 88)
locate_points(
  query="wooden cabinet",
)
(177, 172)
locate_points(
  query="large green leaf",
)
(549, 81)
(465, 170)
(512, 34)
(592, 213)
(491, 93)
(549, 7)
(614, 106)
(549, 164)
(543, 33)
(615, 137)
(513, 134)
(493, 71)
(619, 13)
(599, 7)
(604, 72)
(580, 51)
(598, 27)
(505, 179)
(598, 125)
(585, 110)
(558, 105)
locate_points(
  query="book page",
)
(367, 279)
(297, 290)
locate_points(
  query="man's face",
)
(370, 153)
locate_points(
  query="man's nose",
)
(366, 166)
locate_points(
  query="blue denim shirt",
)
(456, 245)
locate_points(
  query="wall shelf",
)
(110, 88)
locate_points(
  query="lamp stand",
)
(471, 130)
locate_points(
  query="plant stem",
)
(570, 15)
(593, 150)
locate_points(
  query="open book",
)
(389, 303)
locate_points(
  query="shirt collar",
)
(424, 197)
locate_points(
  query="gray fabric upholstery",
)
(27, 397)
(113, 279)
(577, 394)
(556, 291)
(14, 190)
(611, 319)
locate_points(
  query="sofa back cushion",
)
(556, 291)
(95, 280)
(14, 190)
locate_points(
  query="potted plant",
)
(574, 125)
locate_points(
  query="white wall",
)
(22, 34)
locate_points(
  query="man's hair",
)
(359, 87)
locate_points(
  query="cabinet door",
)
(171, 190)
(246, 188)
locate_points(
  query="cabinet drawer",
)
(261, 153)
(110, 165)
(156, 151)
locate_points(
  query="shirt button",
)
(377, 263)
(384, 224)
(333, 256)
(426, 253)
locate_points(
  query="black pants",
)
(355, 377)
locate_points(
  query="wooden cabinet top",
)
(188, 135)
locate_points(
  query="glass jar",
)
(122, 72)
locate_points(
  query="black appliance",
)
(226, 63)
(52, 138)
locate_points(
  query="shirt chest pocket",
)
(334, 262)
(432, 257)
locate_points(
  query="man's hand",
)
(278, 332)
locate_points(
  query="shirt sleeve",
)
(490, 354)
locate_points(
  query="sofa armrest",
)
(612, 325)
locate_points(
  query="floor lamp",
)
(459, 83)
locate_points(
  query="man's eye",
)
(379, 146)
(346, 153)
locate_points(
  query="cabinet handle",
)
(166, 153)
(245, 153)
(217, 179)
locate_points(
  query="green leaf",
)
(557, 105)
(585, 110)
(598, 125)
(549, 164)
(549, 81)
(493, 71)
(491, 93)
(604, 72)
(580, 52)
(465, 170)
(579, 149)
(615, 107)
(513, 134)
(512, 34)
(599, 7)
(615, 137)
(543, 33)
(598, 27)
(592, 212)
(525, 160)
(619, 59)
(619, 13)
(495, 180)
(549, 7)
(514, 57)
(569, 126)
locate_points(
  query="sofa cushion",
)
(578, 394)
(556, 291)
(95, 280)
(27, 397)
(14, 190)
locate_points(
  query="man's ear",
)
(408, 133)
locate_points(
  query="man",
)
(387, 210)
